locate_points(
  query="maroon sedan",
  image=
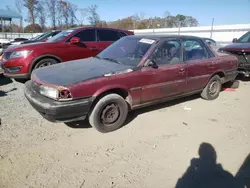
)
(134, 72)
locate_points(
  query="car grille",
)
(243, 57)
(6, 55)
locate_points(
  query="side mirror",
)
(234, 40)
(75, 40)
(152, 64)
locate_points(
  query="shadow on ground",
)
(84, 124)
(5, 81)
(205, 172)
(133, 114)
(242, 78)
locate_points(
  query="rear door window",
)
(106, 35)
(87, 35)
(194, 50)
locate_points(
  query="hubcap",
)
(45, 64)
(110, 114)
(213, 88)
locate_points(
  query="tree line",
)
(45, 15)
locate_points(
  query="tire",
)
(107, 104)
(210, 93)
(45, 62)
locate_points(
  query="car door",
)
(169, 78)
(87, 47)
(106, 37)
(200, 64)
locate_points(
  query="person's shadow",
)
(204, 172)
(243, 174)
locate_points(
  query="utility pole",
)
(212, 27)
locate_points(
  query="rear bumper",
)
(56, 111)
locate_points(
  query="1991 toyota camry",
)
(133, 72)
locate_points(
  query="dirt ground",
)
(153, 150)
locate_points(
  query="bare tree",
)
(52, 11)
(19, 6)
(41, 14)
(72, 8)
(135, 19)
(83, 13)
(62, 14)
(93, 16)
(31, 5)
(191, 21)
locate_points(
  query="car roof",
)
(162, 37)
(208, 39)
(95, 27)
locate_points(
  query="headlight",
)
(18, 54)
(49, 92)
(61, 93)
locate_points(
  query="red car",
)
(241, 49)
(133, 72)
(77, 43)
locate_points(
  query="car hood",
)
(73, 72)
(29, 41)
(237, 46)
(30, 46)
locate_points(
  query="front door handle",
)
(182, 70)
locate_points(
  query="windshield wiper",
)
(110, 59)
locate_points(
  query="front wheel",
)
(109, 114)
(212, 89)
(45, 62)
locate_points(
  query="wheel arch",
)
(116, 90)
(220, 73)
(36, 60)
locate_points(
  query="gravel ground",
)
(154, 149)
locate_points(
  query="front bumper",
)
(58, 111)
(15, 68)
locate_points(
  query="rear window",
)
(107, 35)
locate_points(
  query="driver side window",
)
(168, 53)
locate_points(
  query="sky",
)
(223, 11)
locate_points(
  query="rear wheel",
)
(212, 89)
(45, 62)
(109, 114)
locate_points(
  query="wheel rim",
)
(45, 64)
(110, 114)
(214, 88)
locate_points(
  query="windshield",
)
(60, 36)
(48, 35)
(38, 36)
(127, 50)
(245, 38)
